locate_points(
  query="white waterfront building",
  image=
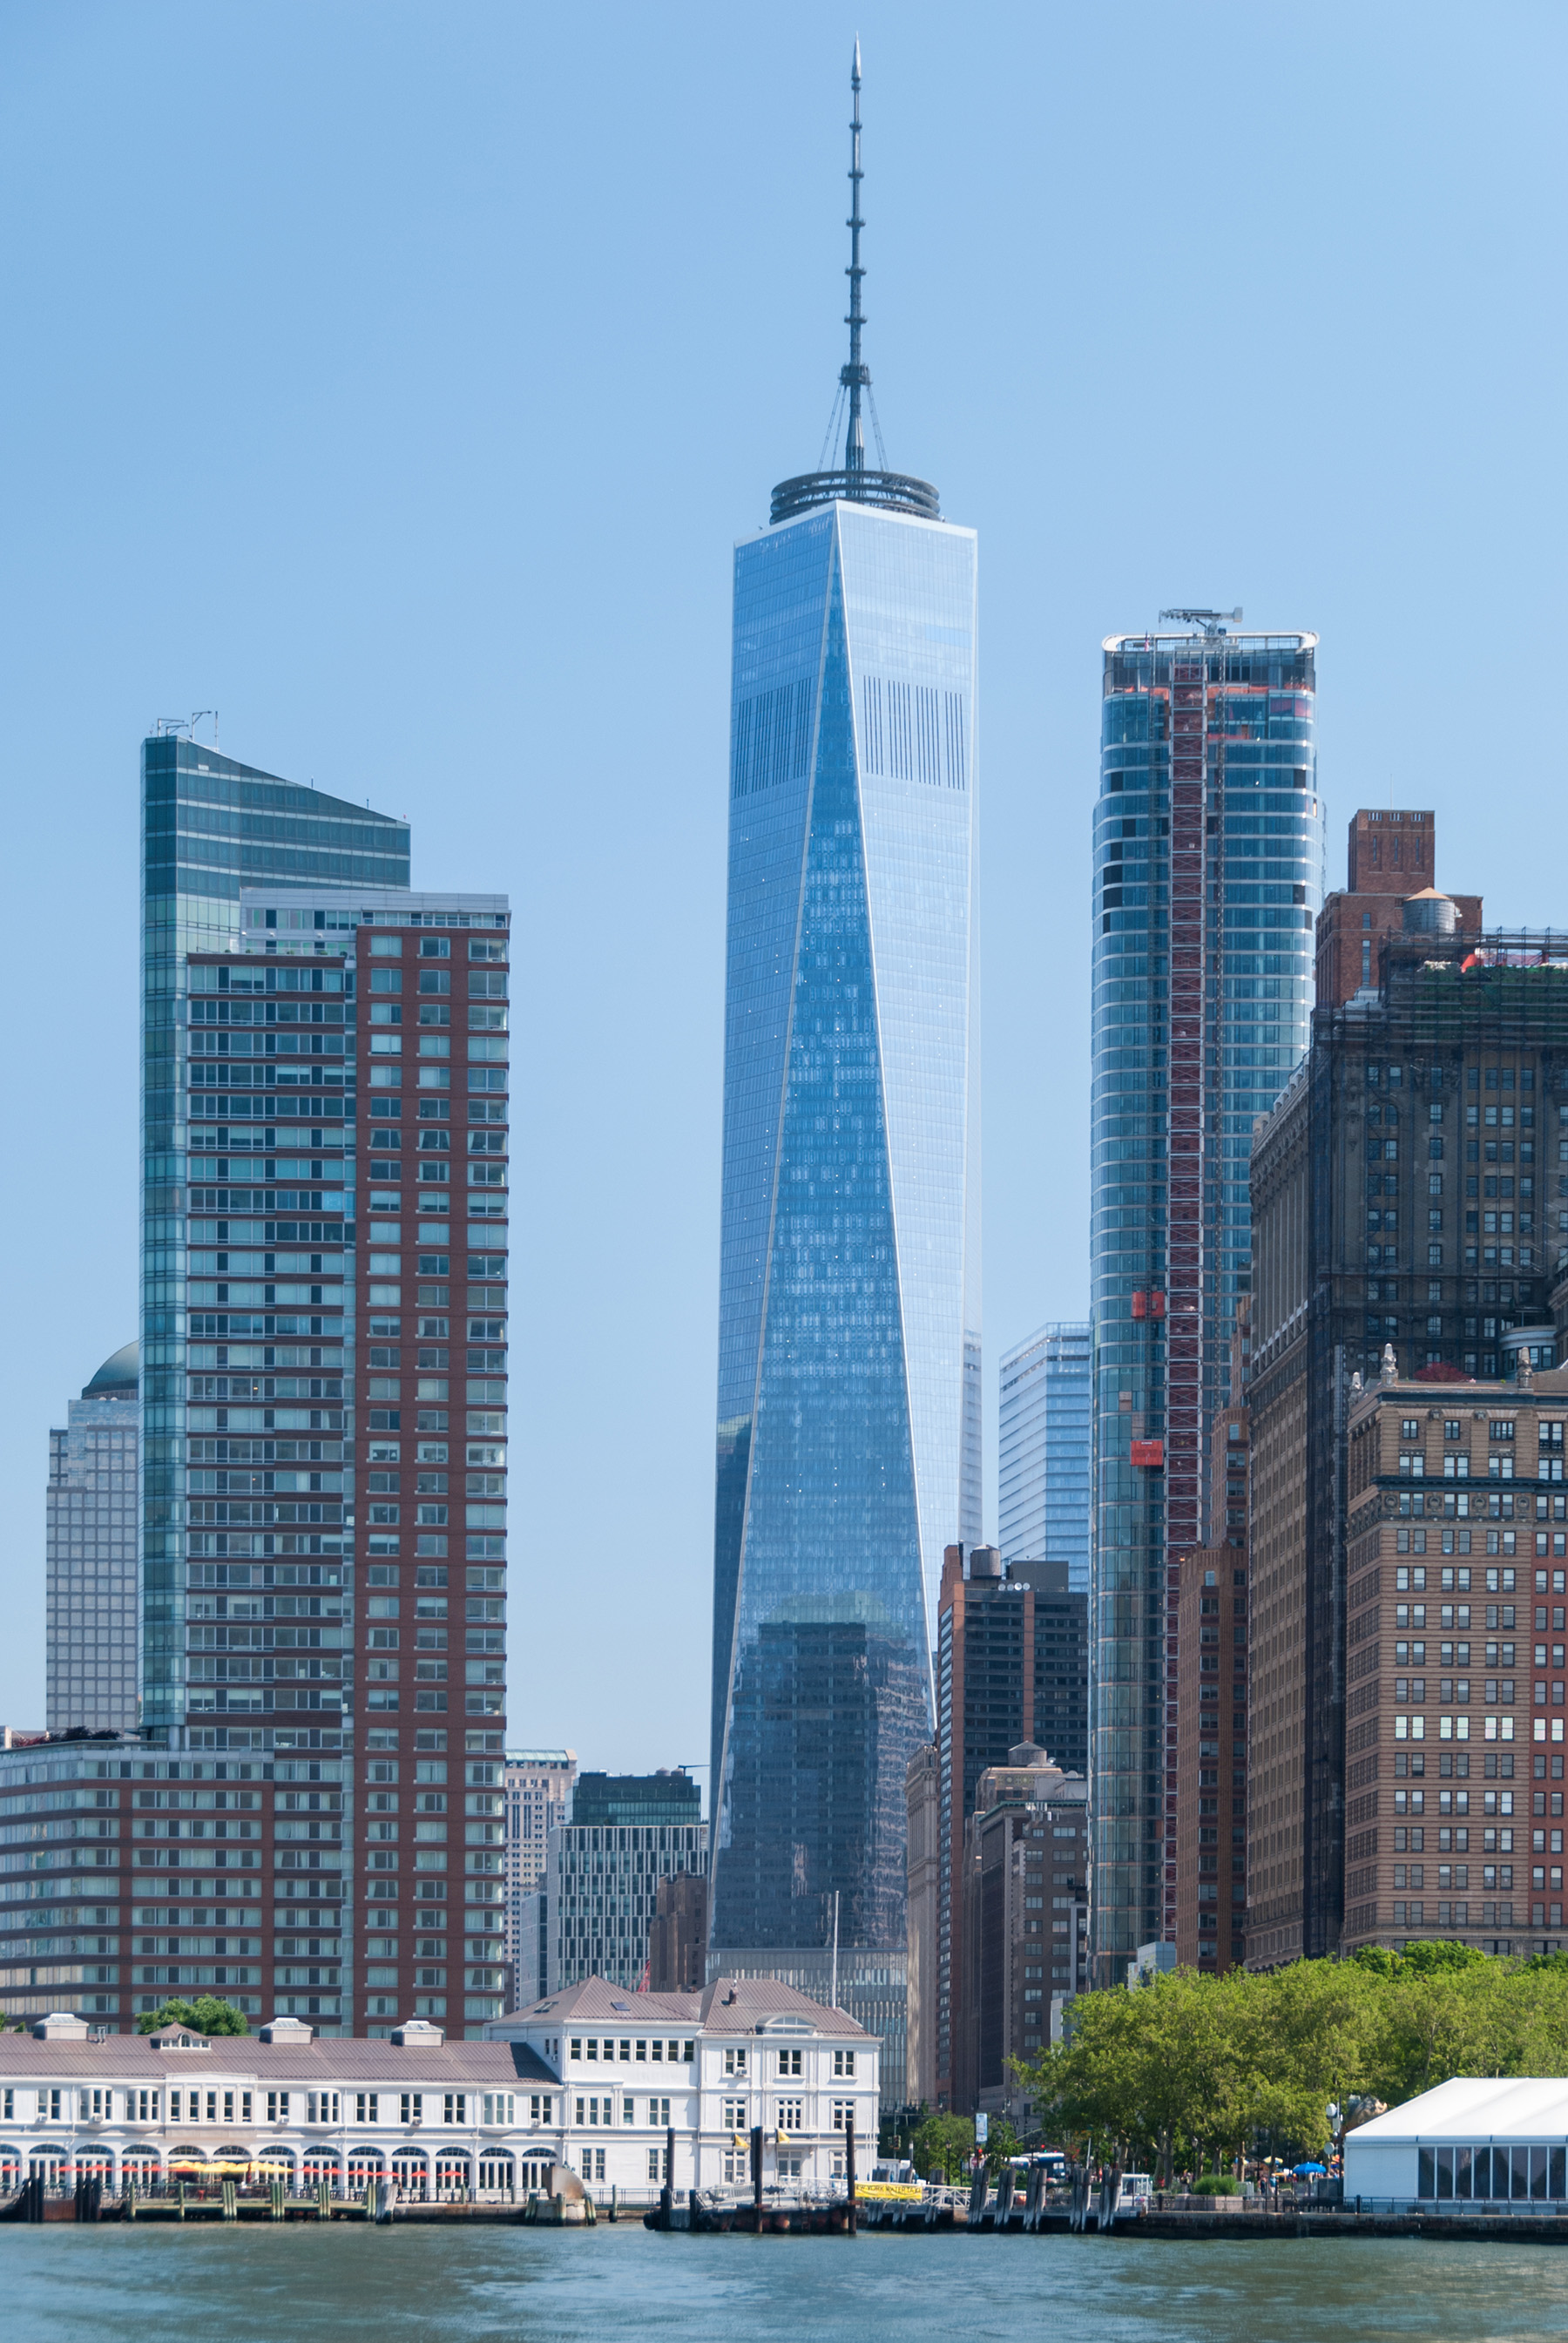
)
(594, 2079)
(1485, 2139)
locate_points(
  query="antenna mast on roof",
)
(1208, 622)
(855, 376)
(857, 482)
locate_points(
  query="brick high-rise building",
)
(1025, 1915)
(1391, 857)
(678, 1939)
(356, 1362)
(1457, 1552)
(311, 1822)
(923, 1803)
(1208, 871)
(1404, 1200)
(984, 1684)
(1212, 1696)
(1011, 1667)
(1058, 1643)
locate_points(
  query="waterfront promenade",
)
(414, 2285)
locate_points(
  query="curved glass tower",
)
(846, 1454)
(1207, 879)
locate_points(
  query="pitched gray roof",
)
(737, 2004)
(136, 2058)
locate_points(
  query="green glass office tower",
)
(209, 825)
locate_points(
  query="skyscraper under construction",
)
(1208, 872)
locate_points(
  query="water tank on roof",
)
(1430, 914)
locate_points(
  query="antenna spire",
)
(859, 483)
(855, 376)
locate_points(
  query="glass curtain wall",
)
(1207, 879)
(209, 825)
(847, 1278)
(1042, 1479)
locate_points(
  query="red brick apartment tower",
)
(430, 1362)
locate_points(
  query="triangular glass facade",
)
(847, 1276)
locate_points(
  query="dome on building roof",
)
(117, 1373)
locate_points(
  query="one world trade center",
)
(849, 1398)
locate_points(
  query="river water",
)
(61, 2284)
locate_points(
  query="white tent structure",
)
(1478, 2139)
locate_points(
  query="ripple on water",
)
(64, 2284)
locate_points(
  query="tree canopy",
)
(1190, 2067)
(207, 2014)
(941, 2147)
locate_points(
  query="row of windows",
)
(1492, 1078)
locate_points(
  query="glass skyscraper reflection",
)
(844, 1466)
(1208, 877)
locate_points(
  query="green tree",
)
(1187, 2069)
(207, 2014)
(1301, 2037)
(1432, 1956)
(1002, 2142)
(941, 2147)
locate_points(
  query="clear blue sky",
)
(397, 378)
